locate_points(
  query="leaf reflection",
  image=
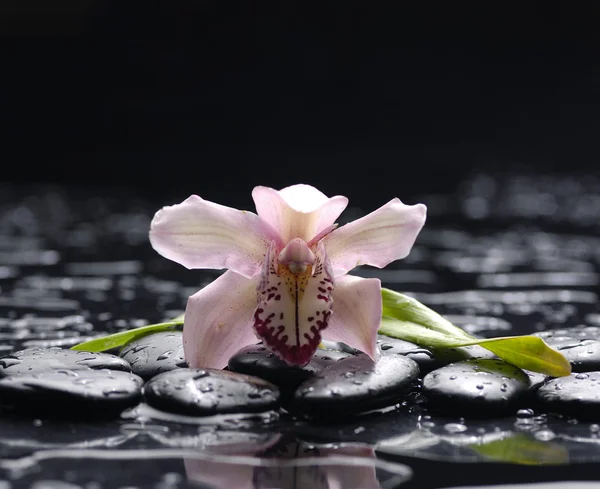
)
(523, 449)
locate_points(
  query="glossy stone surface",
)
(74, 266)
(356, 384)
(575, 395)
(477, 387)
(154, 354)
(579, 344)
(203, 392)
(394, 346)
(257, 360)
(83, 393)
(36, 360)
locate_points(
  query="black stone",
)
(155, 353)
(395, 346)
(35, 360)
(429, 359)
(446, 356)
(259, 361)
(203, 392)
(576, 395)
(83, 393)
(356, 384)
(580, 345)
(536, 379)
(478, 387)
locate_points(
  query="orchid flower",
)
(287, 281)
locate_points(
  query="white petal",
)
(218, 321)
(356, 313)
(201, 234)
(376, 239)
(299, 211)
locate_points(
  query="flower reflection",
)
(291, 465)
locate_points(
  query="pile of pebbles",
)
(338, 382)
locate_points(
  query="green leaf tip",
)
(408, 319)
(527, 352)
(119, 339)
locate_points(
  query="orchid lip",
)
(293, 308)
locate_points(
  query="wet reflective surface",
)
(503, 255)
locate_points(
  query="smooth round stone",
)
(259, 361)
(155, 353)
(396, 346)
(204, 392)
(74, 393)
(580, 345)
(461, 353)
(356, 384)
(536, 379)
(34, 360)
(577, 395)
(476, 386)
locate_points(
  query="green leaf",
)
(415, 333)
(404, 308)
(527, 352)
(119, 339)
(408, 319)
(523, 449)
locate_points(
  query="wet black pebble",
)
(395, 346)
(259, 361)
(34, 360)
(580, 345)
(203, 392)
(71, 393)
(427, 359)
(356, 384)
(155, 353)
(577, 395)
(476, 387)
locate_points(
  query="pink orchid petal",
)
(293, 308)
(356, 313)
(218, 321)
(361, 474)
(376, 239)
(201, 234)
(299, 211)
(223, 473)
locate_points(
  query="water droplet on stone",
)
(525, 413)
(455, 427)
(544, 435)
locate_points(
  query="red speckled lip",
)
(293, 309)
(274, 337)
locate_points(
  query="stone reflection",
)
(526, 441)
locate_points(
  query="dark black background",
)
(367, 99)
